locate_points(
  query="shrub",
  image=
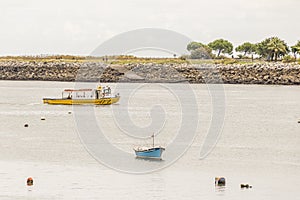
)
(240, 56)
(227, 61)
(288, 59)
(184, 57)
(221, 57)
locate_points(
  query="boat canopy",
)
(79, 90)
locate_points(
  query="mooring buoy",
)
(246, 186)
(43, 118)
(29, 181)
(26, 125)
(220, 181)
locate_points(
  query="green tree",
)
(199, 50)
(277, 48)
(272, 48)
(296, 49)
(221, 46)
(201, 53)
(262, 50)
(194, 45)
(246, 48)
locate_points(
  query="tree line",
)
(271, 49)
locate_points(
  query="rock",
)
(266, 73)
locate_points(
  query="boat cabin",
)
(100, 92)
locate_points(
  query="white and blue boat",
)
(149, 152)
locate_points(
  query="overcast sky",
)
(30, 27)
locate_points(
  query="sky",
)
(78, 27)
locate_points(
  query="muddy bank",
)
(266, 73)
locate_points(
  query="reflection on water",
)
(220, 190)
(145, 159)
(259, 145)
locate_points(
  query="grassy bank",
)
(123, 60)
(81, 59)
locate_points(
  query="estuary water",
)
(258, 143)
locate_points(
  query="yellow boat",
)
(99, 96)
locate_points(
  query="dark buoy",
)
(26, 125)
(220, 181)
(29, 181)
(43, 118)
(246, 186)
(69, 112)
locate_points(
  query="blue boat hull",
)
(150, 153)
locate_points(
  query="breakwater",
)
(256, 73)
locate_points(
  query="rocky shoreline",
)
(260, 73)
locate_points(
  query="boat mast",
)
(153, 139)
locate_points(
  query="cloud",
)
(33, 26)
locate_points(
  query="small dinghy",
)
(149, 152)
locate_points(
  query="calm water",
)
(259, 145)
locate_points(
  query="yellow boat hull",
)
(101, 101)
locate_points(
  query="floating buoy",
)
(246, 186)
(43, 118)
(299, 121)
(69, 112)
(26, 125)
(29, 181)
(220, 181)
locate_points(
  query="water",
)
(259, 145)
